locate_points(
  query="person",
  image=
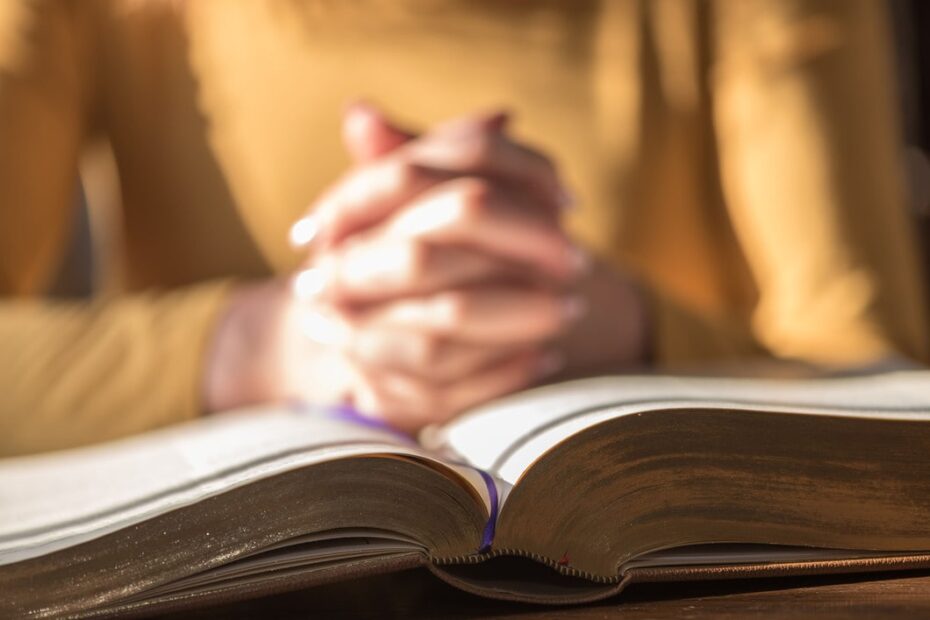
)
(733, 164)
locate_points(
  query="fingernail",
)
(565, 199)
(549, 364)
(310, 283)
(303, 232)
(580, 260)
(573, 308)
(432, 152)
(323, 329)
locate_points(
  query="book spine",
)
(558, 566)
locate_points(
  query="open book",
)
(594, 484)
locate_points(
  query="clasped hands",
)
(438, 276)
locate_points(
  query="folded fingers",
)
(410, 403)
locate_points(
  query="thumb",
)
(368, 134)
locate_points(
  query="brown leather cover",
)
(784, 569)
(700, 573)
(377, 566)
(316, 577)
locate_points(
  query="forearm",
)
(810, 165)
(76, 373)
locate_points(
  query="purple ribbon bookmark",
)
(347, 413)
(487, 538)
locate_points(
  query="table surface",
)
(416, 594)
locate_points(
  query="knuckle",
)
(474, 198)
(451, 309)
(403, 173)
(414, 260)
(480, 147)
(426, 351)
(352, 249)
(350, 253)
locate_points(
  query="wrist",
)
(615, 333)
(236, 371)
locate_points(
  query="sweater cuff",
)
(188, 326)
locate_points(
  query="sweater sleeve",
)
(810, 159)
(74, 372)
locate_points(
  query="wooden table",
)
(416, 594)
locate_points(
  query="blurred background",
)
(86, 267)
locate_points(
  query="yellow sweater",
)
(740, 156)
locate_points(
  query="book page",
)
(295, 554)
(507, 436)
(731, 553)
(52, 501)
